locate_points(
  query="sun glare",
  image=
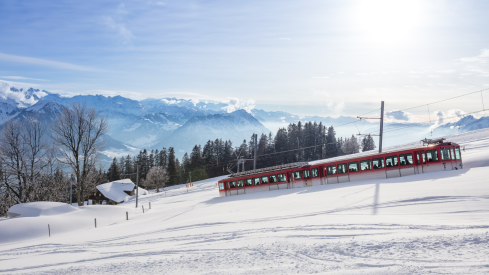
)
(388, 21)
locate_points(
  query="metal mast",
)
(381, 125)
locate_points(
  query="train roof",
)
(389, 150)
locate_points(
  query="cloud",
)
(125, 35)
(481, 58)
(18, 95)
(20, 78)
(237, 104)
(42, 62)
(450, 116)
(285, 38)
(399, 116)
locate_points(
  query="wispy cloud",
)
(20, 78)
(399, 116)
(42, 62)
(481, 58)
(116, 24)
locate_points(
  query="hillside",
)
(435, 222)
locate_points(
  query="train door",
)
(420, 161)
(446, 160)
(240, 187)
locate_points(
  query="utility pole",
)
(137, 183)
(381, 126)
(381, 134)
(255, 157)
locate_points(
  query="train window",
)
(314, 172)
(248, 182)
(453, 153)
(457, 153)
(273, 178)
(431, 155)
(240, 183)
(256, 181)
(331, 170)
(406, 159)
(378, 163)
(445, 153)
(264, 180)
(281, 177)
(353, 166)
(365, 165)
(391, 161)
(342, 168)
(424, 157)
(232, 184)
(307, 174)
(298, 175)
(221, 186)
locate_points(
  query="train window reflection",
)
(314, 172)
(365, 165)
(453, 153)
(457, 153)
(445, 153)
(391, 161)
(264, 180)
(281, 177)
(406, 159)
(378, 163)
(232, 184)
(307, 174)
(353, 166)
(256, 181)
(240, 183)
(221, 186)
(424, 157)
(248, 182)
(273, 178)
(431, 156)
(342, 168)
(331, 170)
(298, 175)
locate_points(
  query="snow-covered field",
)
(430, 223)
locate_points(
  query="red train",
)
(436, 156)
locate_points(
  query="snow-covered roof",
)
(115, 190)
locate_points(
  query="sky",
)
(304, 57)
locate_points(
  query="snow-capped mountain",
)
(235, 126)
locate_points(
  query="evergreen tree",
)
(172, 167)
(113, 172)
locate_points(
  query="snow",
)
(43, 208)
(428, 223)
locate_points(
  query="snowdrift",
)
(42, 208)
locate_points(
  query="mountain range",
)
(180, 123)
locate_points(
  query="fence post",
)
(142, 206)
(49, 230)
(95, 222)
(127, 216)
(149, 205)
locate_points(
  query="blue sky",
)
(304, 57)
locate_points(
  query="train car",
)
(437, 155)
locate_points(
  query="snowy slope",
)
(429, 223)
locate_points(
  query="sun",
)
(388, 21)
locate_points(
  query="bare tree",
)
(27, 159)
(79, 132)
(157, 176)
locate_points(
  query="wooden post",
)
(49, 230)
(149, 205)
(142, 206)
(127, 216)
(95, 222)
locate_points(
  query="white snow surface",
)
(429, 223)
(41, 208)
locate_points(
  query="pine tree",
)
(113, 172)
(172, 167)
